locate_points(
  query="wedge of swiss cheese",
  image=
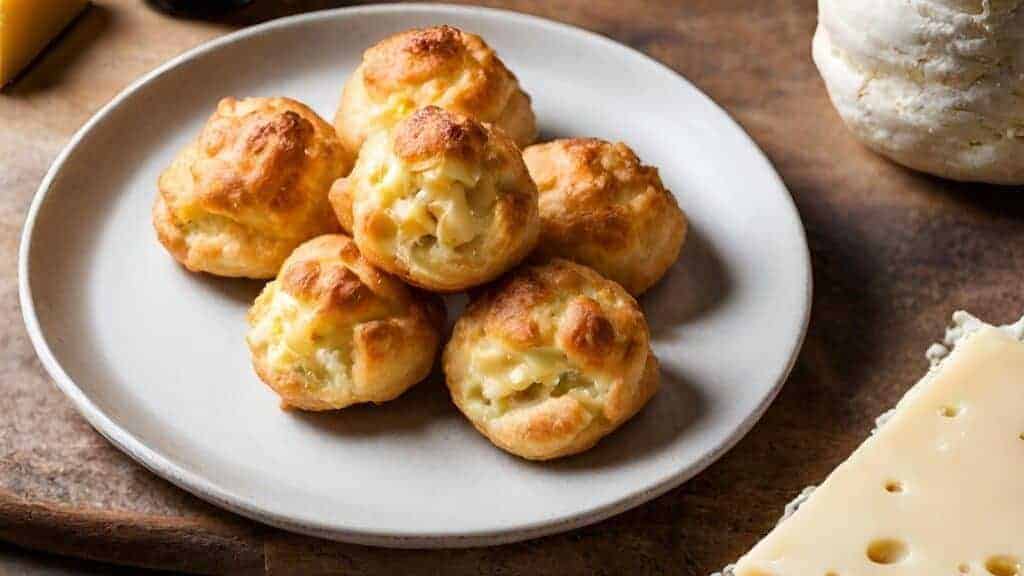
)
(937, 490)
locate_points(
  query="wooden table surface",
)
(894, 254)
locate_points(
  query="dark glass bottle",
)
(197, 7)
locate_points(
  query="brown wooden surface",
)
(894, 254)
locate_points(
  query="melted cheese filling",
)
(392, 110)
(438, 206)
(295, 342)
(443, 91)
(503, 379)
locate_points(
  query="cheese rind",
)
(27, 27)
(936, 490)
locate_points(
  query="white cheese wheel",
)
(935, 85)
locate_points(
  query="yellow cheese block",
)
(27, 26)
(937, 491)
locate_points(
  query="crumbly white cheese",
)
(935, 85)
(963, 326)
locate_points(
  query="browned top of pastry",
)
(416, 56)
(602, 207)
(251, 187)
(330, 273)
(593, 320)
(432, 131)
(256, 153)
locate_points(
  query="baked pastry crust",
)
(250, 188)
(332, 330)
(550, 359)
(600, 206)
(441, 66)
(442, 201)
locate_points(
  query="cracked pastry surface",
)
(935, 85)
(600, 206)
(550, 359)
(441, 66)
(442, 201)
(250, 188)
(332, 330)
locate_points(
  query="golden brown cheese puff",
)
(442, 201)
(550, 359)
(332, 330)
(251, 188)
(601, 207)
(440, 66)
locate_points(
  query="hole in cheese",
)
(887, 551)
(950, 411)
(964, 568)
(1003, 566)
(894, 486)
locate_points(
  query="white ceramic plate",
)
(154, 356)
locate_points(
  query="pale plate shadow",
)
(242, 291)
(426, 403)
(696, 284)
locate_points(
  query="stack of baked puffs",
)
(429, 183)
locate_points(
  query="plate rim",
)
(223, 497)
